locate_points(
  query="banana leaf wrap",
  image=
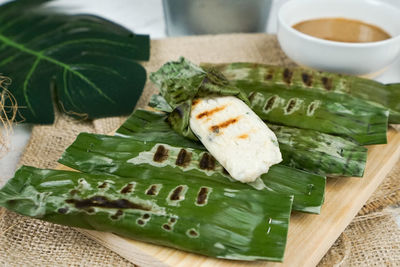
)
(196, 215)
(181, 81)
(303, 149)
(337, 86)
(351, 118)
(320, 153)
(125, 156)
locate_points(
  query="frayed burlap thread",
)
(372, 240)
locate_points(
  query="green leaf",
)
(143, 130)
(303, 149)
(124, 156)
(339, 87)
(182, 81)
(86, 63)
(350, 118)
(196, 215)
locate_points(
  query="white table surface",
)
(140, 16)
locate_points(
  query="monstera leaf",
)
(86, 64)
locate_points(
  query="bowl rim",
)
(289, 28)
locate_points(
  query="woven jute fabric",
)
(373, 238)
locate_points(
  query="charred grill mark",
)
(195, 102)
(90, 210)
(307, 79)
(161, 154)
(268, 77)
(166, 227)
(176, 194)
(243, 136)
(172, 220)
(215, 129)
(202, 196)
(311, 108)
(103, 202)
(62, 210)
(225, 124)
(209, 113)
(291, 105)
(103, 185)
(287, 75)
(327, 83)
(146, 216)
(152, 191)
(207, 162)
(270, 103)
(127, 189)
(73, 192)
(118, 214)
(141, 222)
(251, 96)
(192, 233)
(184, 158)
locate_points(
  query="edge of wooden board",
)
(310, 236)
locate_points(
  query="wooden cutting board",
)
(310, 236)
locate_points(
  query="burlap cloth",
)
(373, 237)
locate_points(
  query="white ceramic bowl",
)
(351, 58)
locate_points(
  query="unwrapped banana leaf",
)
(303, 149)
(181, 81)
(353, 118)
(196, 215)
(125, 156)
(337, 86)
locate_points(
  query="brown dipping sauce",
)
(342, 30)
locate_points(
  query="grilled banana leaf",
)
(148, 126)
(125, 156)
(181, 81)
(338, 86)
(320, 153)
(351, 118)
(196, 215)
(302, 149)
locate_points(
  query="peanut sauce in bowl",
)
(342, 30)
(359, 37)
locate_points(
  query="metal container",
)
(192, 17)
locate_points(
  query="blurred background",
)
(147, 16)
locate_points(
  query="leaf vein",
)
(25, 86)
(66, 91)
(92, 40)
(40, 56)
